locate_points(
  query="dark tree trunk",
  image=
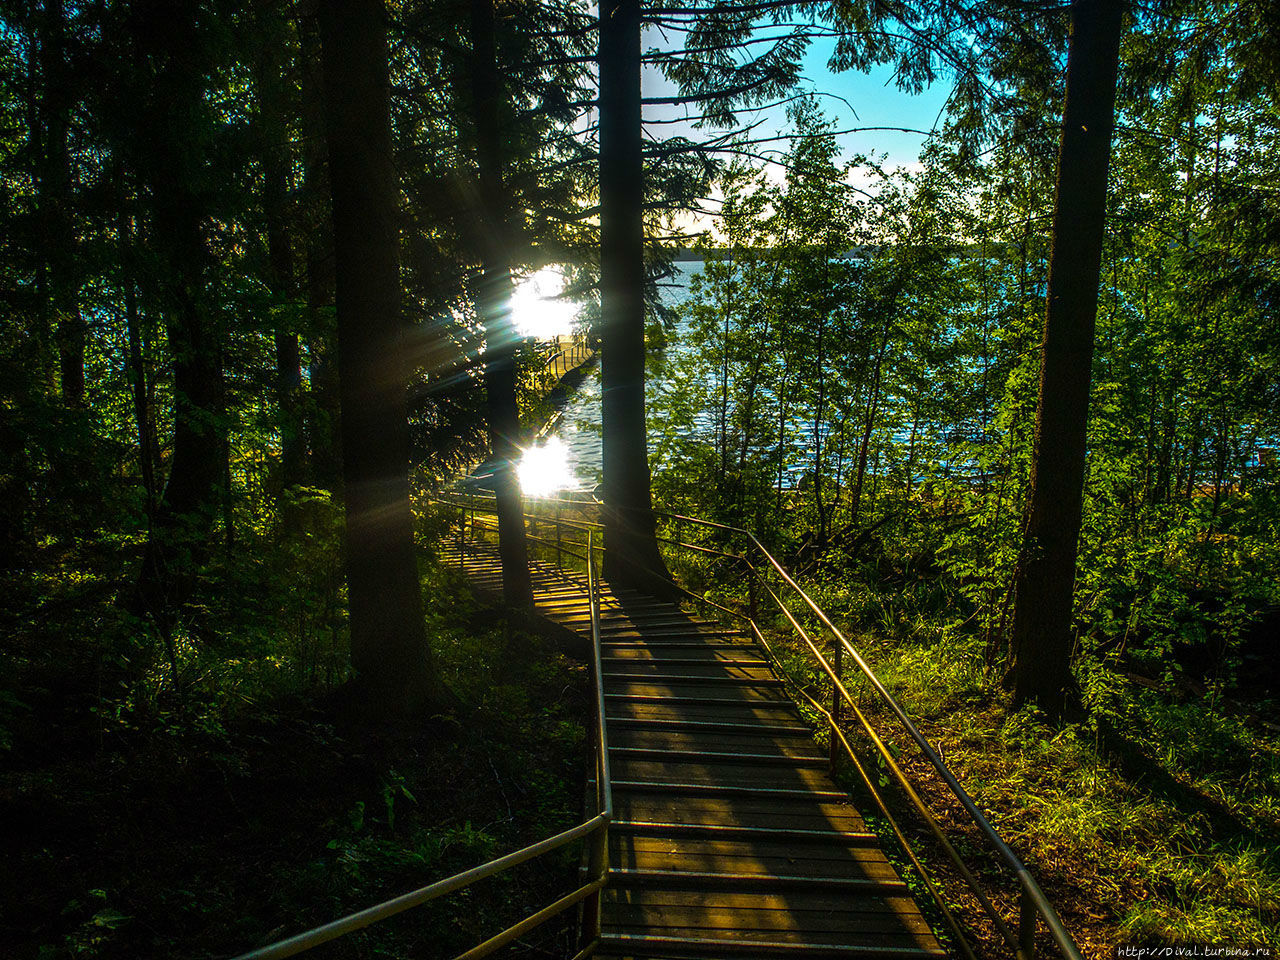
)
(1042, 638)
(34, 103)
(322, 415)
(869, 425)
(631, 557)
(388, 641)
(493, 303)
(324, 418)
(819, 413)
(58, 238)
(137, 366)
(193, 494)
(275, 150)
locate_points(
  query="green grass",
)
(1154, 821)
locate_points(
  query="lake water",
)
(577, 432)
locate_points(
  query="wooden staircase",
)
(730, 839)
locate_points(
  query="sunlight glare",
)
(544, 470)
(536, 309)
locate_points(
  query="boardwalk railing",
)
(771, 586)
(769, 581)
(576, 537)
(566, 353)
(595, 830)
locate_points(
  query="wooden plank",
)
(825, 901)
(696, 656)
(760, 776)
(717, 693)
(772, 711)
(682, 787)
(780, 727)
(693, 645)
(793, 916)
(668, 755)
(713, 866)
(671, 633)
(796, 744)
(782, 834)
(744, 811)
(873, 946)
(703, 669)
(755, 880)
(762, 848)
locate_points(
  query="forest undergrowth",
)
(247, 802)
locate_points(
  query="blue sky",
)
(878, 102)
(853, 99)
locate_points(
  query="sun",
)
(537, 309)
(544, 470)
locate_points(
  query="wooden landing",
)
(729, 838)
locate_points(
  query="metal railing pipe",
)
(599, 858)
(389, 908)
(1027, 882)
(533, 920)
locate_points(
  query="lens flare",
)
(546, 469)
(536, 309)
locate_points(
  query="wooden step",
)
(721, 727)
(796, 744)
(729, 655)
(739, 810)
(667, 756)
(729, 838)
(744, 944)
(788, 835)
(703, 675)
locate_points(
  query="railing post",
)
(1026, 926)
(753, 592)
(462, 536)
(837, 664)
(597, 866)
(533, 523)
(598, 857)
(559, 554)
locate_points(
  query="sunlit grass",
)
(1158, 869)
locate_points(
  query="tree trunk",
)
(137, 365)
(275, 151)
(819, 411)
(494, 306)
(631, 557)
(58, 238)
(782, 427)
(388, 642)
(321, 414)
(869, 426)
(193, 494)
(1042, 638)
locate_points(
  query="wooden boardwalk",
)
(729, 838)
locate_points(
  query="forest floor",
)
(202, 832)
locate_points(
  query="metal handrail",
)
(1032, 901)
(597, 827)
